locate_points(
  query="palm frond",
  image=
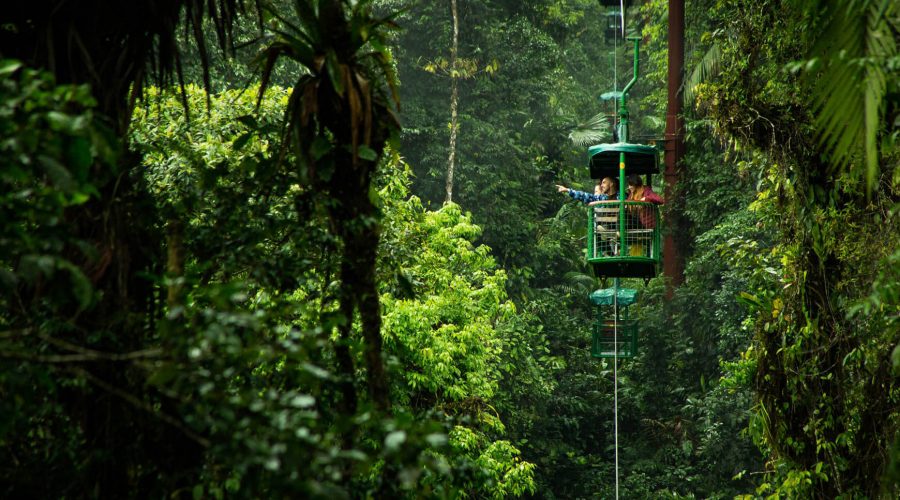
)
(581, 279)
(115, 50)
(580, 283)
(849, 92)
(708, 67)
(569, 220)
(594, 131)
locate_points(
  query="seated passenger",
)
(637, 191)
(608, 186)
(603, 190)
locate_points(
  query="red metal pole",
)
(673, 262)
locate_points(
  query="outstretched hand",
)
(562, 189)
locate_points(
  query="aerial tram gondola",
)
(613, 333)
(623, 236)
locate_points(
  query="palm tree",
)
(113, 46)
(338, 120)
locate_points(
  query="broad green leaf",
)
(394, 439)
(366, 153)
(9, 66)
(58, 174)
(67, 123)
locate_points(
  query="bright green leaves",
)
(254, 345)
(441, 320)
(499, 461)
(447, 329)
(8, 67)
(464, 69)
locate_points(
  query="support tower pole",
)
(623, 137)
(673, 261)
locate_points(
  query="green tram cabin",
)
(613, 333)
(623, 236)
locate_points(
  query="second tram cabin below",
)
(614, 334)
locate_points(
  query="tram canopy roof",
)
(603, 159)
(605, 296)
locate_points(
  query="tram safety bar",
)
(639, 220)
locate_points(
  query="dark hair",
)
(635, 180)
(615, 184)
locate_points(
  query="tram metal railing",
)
(614, 340)
(617, 234)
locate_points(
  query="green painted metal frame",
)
(623, 107)
(627, 334)
(624, 265)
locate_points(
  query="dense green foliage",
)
(266, 296)
(827, 405)
(444, 351)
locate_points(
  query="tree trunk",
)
(454, 102)
(174, 261)
(357, 222)
(359, 266)
(673, 246)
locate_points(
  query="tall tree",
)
(454, 101)
(827, 399)
(339, 119)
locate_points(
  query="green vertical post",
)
(591, 252)
(622, 248)
(616, 315)
(623, 137)
(623, 108)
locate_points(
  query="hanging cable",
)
(616, 376)
(615, 58)
(616, 280)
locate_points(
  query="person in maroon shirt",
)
(637, 191)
